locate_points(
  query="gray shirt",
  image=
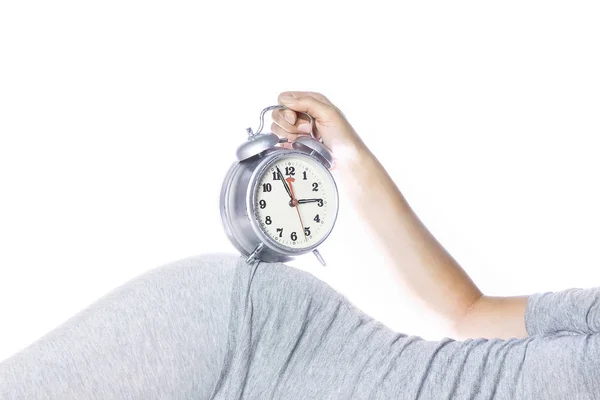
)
(291, 336)
(214, 324)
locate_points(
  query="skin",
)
(420, 264)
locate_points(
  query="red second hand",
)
(295, 202)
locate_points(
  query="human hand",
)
(330, 124)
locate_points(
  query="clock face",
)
(296, 202)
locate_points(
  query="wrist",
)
(356, 173)
(350, 155)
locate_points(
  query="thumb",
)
(307, 104)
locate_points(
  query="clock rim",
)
(259, 171)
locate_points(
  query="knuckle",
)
(289, 116)
(275, 115)
(285, 94)
(321, 97)
(282, 117)
(279, 131)
(276, 129)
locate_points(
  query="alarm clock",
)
(278, 203)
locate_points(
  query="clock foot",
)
(255, 253)
(319, 257)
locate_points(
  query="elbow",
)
(463, 326)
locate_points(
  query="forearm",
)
(418, 261)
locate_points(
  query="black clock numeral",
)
(293, 236)
(307, 231)
(280, 230)
(262, 204)
(317, 219)
(315, 187)
(304, 173)
(320, 203)
(267, 187)
(290, 171)
(275, 176)
(268, 220)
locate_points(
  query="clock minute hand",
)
(295, 203)
(303, 201)
(282, 179)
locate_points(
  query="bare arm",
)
(420, 262)
(417, 259)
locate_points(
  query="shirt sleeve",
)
(571, 311)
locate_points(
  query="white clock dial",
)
(303, 215)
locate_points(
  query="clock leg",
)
(255, 253)
(319, 257)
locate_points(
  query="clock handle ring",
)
(262, 121)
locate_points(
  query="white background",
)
(119, 119)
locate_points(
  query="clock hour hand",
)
(282, 179)
(303, 201)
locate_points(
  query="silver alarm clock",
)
(278, 203)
